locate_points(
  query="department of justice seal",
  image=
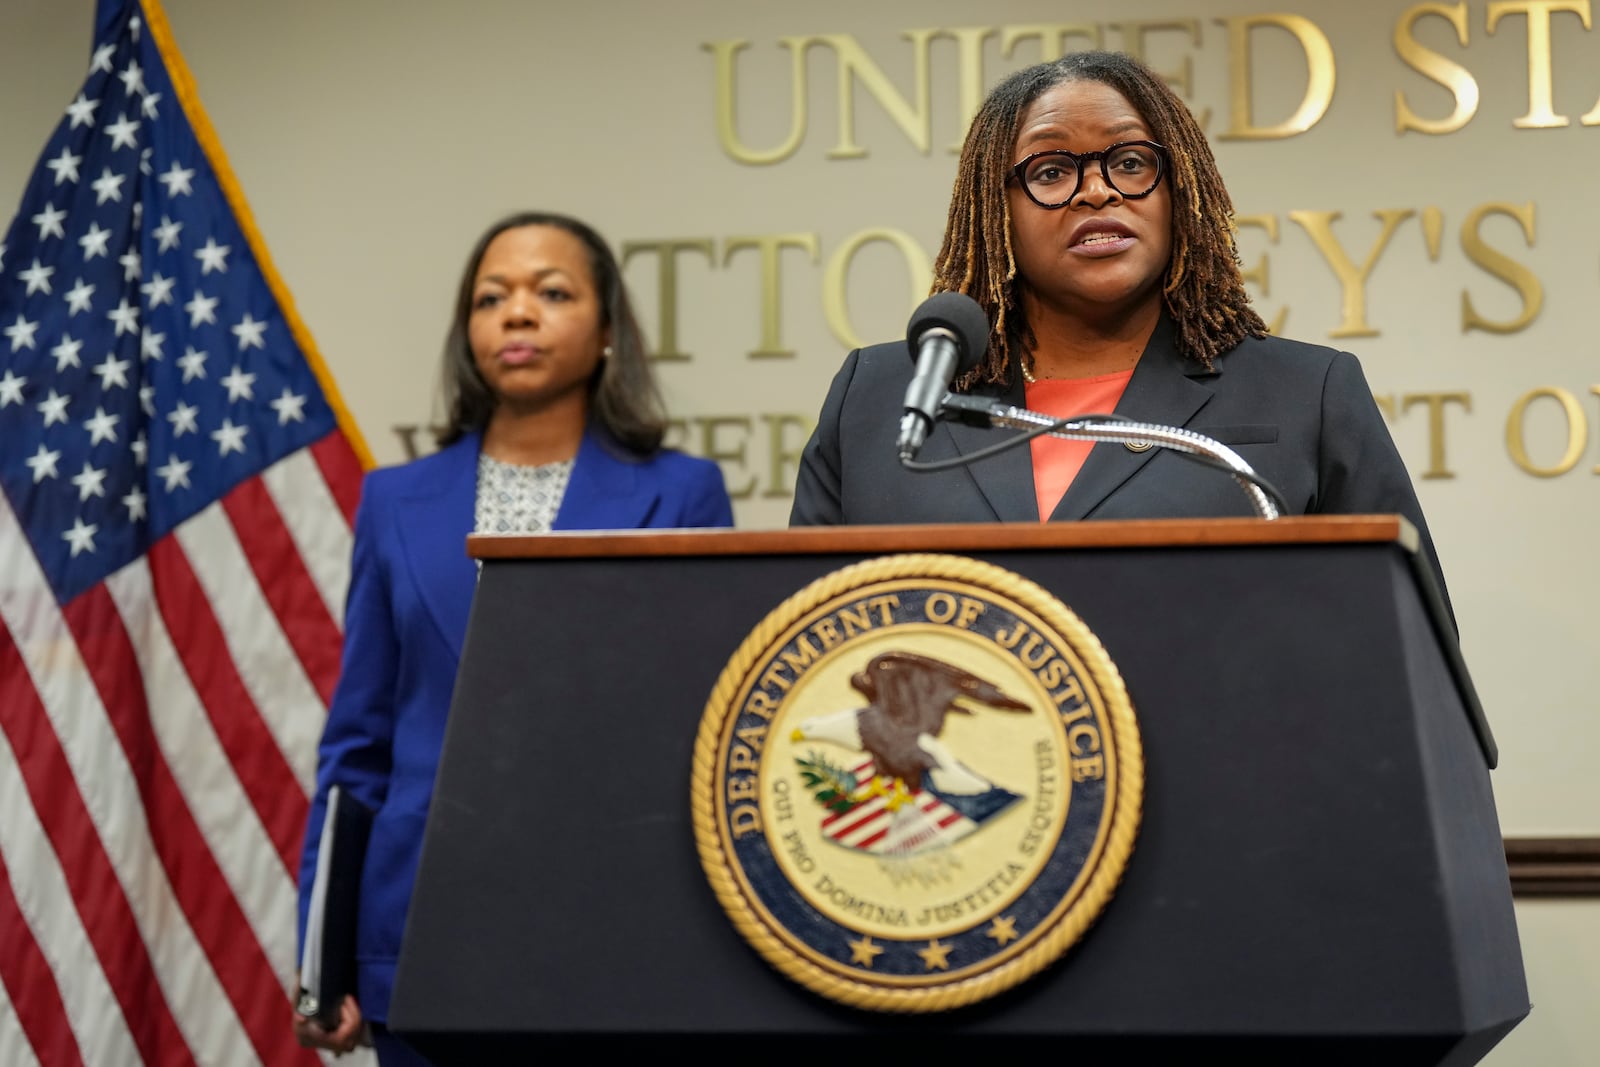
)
(916, 783)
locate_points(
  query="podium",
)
(1319, 875)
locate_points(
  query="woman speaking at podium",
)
(1090, 224)
(554, 423)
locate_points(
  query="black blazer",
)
(1302, 415)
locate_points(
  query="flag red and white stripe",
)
(157, 739)
(179, 484)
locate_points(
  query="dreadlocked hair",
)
(1202, 289)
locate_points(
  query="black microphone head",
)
(961, 315)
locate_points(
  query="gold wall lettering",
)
(914, 119)
(1435, 402)
(771, 246)
(912, 112)
(1260, 275)
(1319, 81)
(969, 75)
(724, 54)
(1352, 281)
(1508, 270)
(728, 439)
(1577, 431)
(783, 450)
(1463, 86)
(835, 282)
(666, 252)
(835, 300)
(1453, 76)
(712, 444)
(914, 116)
(1052, 37)
(408, 440)
(1433, 230)
(1541, 110)
(1134, 32)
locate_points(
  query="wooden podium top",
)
(969, 537)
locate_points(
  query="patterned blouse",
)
(516, 500)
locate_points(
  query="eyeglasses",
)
(1132, 168)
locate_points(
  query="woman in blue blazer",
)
(1090, 223)
(554, 424)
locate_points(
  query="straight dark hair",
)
(623, 396)
(1203, 289)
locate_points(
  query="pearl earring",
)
(607, 351)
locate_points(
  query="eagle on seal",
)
(909, 698)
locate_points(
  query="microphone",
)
(947, 334)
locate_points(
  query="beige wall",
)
(374, 140)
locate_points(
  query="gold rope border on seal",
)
(1126, 804)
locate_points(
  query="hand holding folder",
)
(328, 957)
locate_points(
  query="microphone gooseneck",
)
(1264, 498)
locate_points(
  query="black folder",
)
(328, 957)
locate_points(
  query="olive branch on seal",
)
(834, 787)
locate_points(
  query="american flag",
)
(179, 482)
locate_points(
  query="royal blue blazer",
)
(406, 614)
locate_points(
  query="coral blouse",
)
(1056, 461)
